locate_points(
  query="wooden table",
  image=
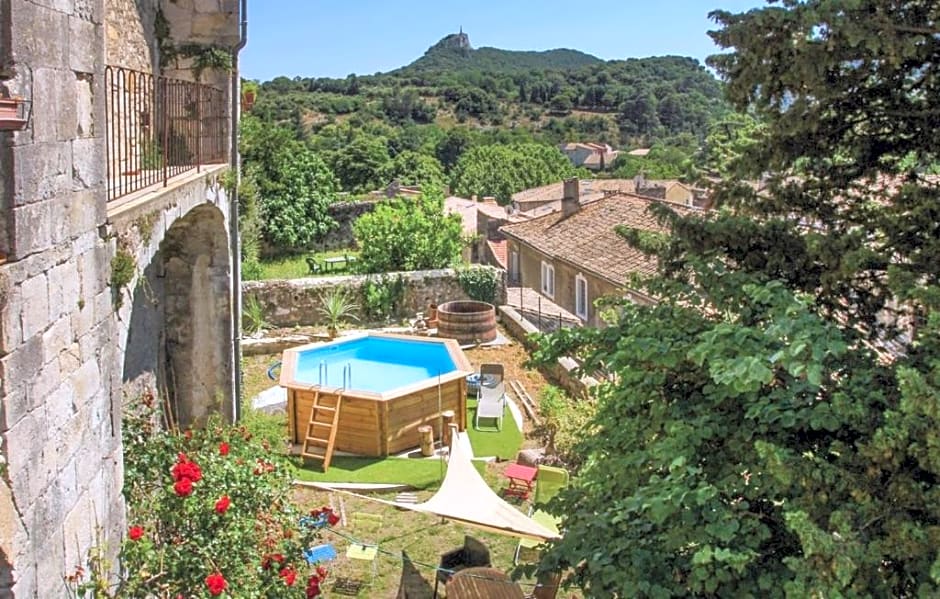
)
(334, 261)
(482, 583)
(520, 480)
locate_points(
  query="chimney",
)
(570, 203)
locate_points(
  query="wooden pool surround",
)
(381, 424)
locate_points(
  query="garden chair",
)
(545, 519)
(548, 482)
(314, 266)
(491, 394)
(365, 528)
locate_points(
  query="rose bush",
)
(210, 516)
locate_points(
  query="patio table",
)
(520, 480)
(334, 261)
(482, 583)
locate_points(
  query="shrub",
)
(382, 296)
(209, 512)
(480, 283)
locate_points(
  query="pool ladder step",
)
(315, 446)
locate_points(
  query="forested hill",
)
(553, 96)
(454, 52)
(427, 115)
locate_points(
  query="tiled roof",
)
(500, 250)
(555, 191)
(587, 239)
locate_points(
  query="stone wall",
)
(563, 369)
(297, 302)
(59, 424)
(66, 350)
(129, 34)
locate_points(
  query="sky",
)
(321, 38)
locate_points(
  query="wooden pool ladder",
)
(320, 437)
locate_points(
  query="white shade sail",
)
(465, 497)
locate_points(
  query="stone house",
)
(593, 156)
(117, 247)
(573, 256)
(537, 201)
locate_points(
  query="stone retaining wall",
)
(521, 329)
(297, 302)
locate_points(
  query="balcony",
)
(158, 128)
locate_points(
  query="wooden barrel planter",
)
(467, 321)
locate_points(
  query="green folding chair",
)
(545, 519)
(548, 482)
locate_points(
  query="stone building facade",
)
(76, 339)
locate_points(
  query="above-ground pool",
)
(390, 385)
(373, 363)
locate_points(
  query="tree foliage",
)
(412, 168)
(408, 234)
(773, 421)
(294, 185)
(502, 170)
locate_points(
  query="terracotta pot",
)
(248, 100)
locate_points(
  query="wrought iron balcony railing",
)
(158, 128)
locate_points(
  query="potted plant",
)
(335, 307)
(249, 93)
(13, 114)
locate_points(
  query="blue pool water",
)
(374, 364)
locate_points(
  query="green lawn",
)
(295, 267)
(488, 442)
(419, 473)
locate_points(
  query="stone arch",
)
(180, 333)
(197, 315)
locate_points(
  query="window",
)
(581, 297)
(548, 279)
(513, 266)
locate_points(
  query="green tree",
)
(412, 168)
(773, 419)
(662, 162)
(729, 144)
(455, 142)
(361, 164)
(292, 185)
(502, 170)
(295, 214)
(408, 234)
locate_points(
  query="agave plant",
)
(253, 314)
(336, 306)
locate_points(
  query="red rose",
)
(216, 583)
(221, 506)
(321, 571)
(313, 587)
(223, 448)
(288, 575)
(183, 487)
(134, 533)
